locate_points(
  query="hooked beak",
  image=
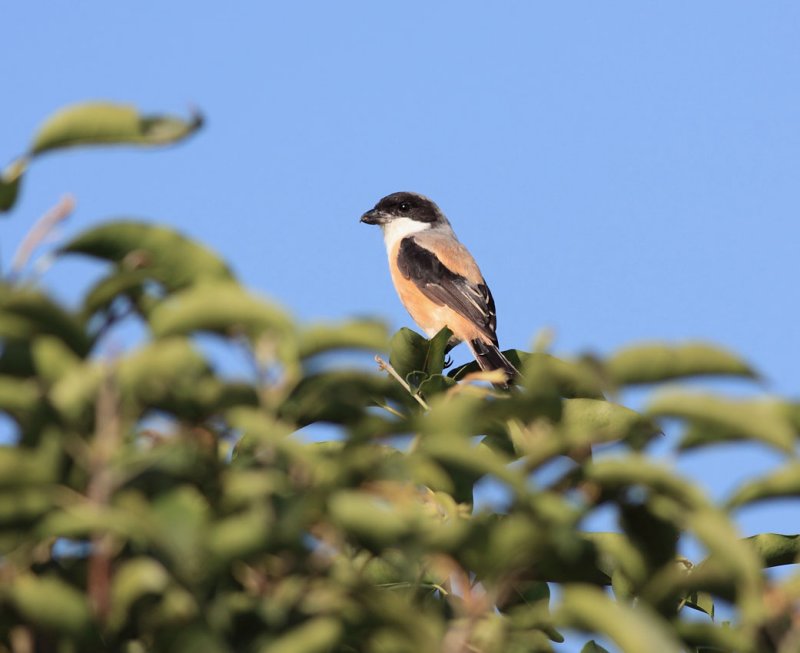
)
(373, 216)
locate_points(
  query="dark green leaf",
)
(9, 183)
(410, 352)
(26, 313)
(340, 397)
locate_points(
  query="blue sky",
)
(622, 171)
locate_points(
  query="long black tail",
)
(490, 358)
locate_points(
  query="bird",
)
(436, 277)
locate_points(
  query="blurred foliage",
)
(153, 503)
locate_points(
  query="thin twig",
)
(43, 227)
(389, 409)
(386, 367)
(100, 489)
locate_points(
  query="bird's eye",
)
(404, 207)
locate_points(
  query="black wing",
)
(446, 288)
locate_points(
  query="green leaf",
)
(220, 307)
(95, 123)
(632, 630)
(10, 182)
(715, 419)
(240, 535)
(410, 352)
(133, 580)
(18, 397)
(338, 396)
(53, 359)
(120, 283)
(26, 313)
(571, 378)
(784, 482)
(356, 334)
(654, 536)
(653, 363)
(179, 521)
(619, 473)
(106, 123)
(169, 374)
(776, 549)
(590, 421)
(435, 384)
(730, 557)
(708, 638)
(21, 466)
(593, 647)
(369, 518)
(20, 509)
(316, 635)
(166, 255)
(50, 603)
(702, 602)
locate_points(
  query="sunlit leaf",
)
(784, 482)
(572, 378)
(717, 419)
(632, 630)
(652, 363)
(636, 470)
(166, 255)
(711, 637)
(50, 602)
(361, 334)
(590, 421)
(776, 549)
(106, 123)
(95, 123)
(239, 535)
(180, 517)
(224, 308)
(314, 636)
(375, 520)
(134, 580)
(53, 358)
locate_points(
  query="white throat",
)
(398, 228)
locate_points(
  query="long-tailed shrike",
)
(436, 277)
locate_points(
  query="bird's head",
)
(407, 206)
